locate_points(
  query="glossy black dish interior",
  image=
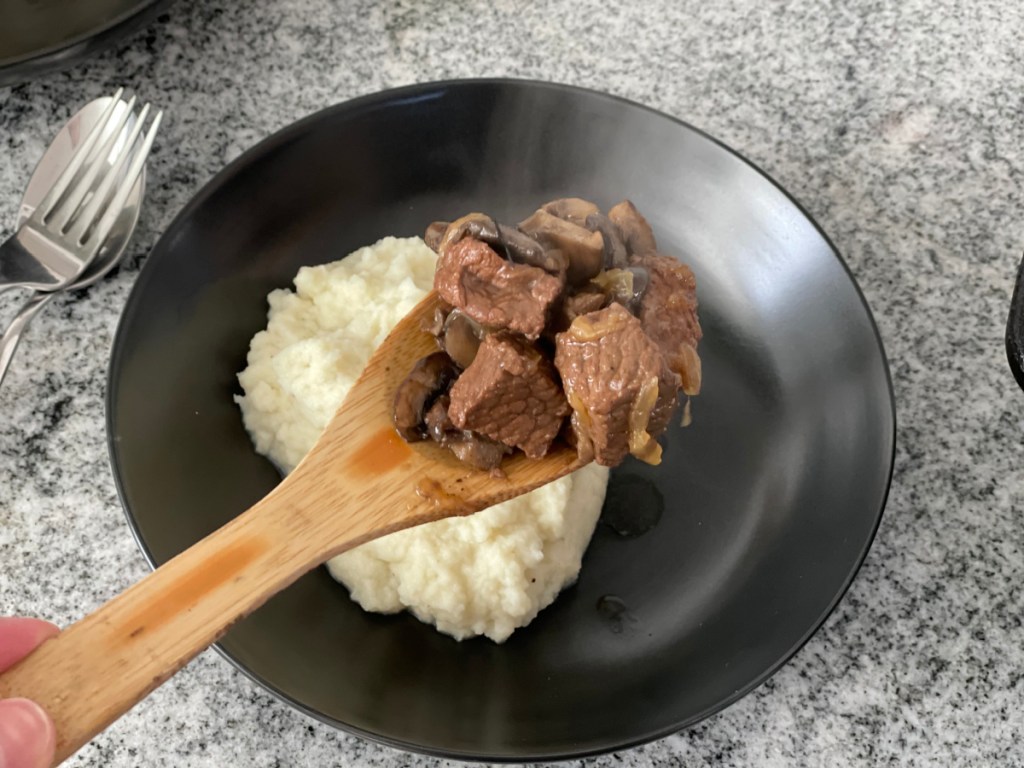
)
(38, 36)
(768, 502)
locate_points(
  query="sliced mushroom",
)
(509, 242)
(460, 337)
(432, 237)
(583, 249)
(430, 377)
(435, 325)
(636, 232)
(572, 209)
(615, 256)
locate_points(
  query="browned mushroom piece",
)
(583, 249)
(508, 242)
(460, 337)
(615, 255)
(430, 377)
(432, 237)
(636, 232)
(574, 209)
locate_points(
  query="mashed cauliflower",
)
(485, 574)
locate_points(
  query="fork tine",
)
(66, 209)
(86, 217)
(102, 229)
(57, 190)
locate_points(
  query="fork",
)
(63, 235)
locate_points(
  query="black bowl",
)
(38, 36)
(771, 498)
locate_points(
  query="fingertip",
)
(40, 627)
(20, 636)
(28, 738)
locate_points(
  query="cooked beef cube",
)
(668, 312)
(494, 292)
(473, 449)
(636, 232)
(589, 298)
(436, 421)
(619, 386)
(476, 450)
(509, 394)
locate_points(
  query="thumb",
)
(27, 735)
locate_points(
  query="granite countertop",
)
(898, 125)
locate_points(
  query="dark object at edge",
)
(66, 50)
(1015, 329)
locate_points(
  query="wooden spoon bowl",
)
(359, 482)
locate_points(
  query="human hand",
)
(27, 735)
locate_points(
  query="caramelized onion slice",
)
(641, 444)
(584, 328)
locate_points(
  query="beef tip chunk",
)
(509, 394)
(476, 450)
(618, 384)
(589, 298)
(436, 420)
(668, 313)
(636, 232)
(494, 292)
(470, 448)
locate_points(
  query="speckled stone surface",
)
(899, 125)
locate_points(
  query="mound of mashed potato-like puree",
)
(485, 574)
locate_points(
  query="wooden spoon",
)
(359, 481)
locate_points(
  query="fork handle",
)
(9, 341)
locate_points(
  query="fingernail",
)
(27, 735)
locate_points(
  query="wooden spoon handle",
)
(360, 481)
(100, 667)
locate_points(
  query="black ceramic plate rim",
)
(63, 52)
(396, 96)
